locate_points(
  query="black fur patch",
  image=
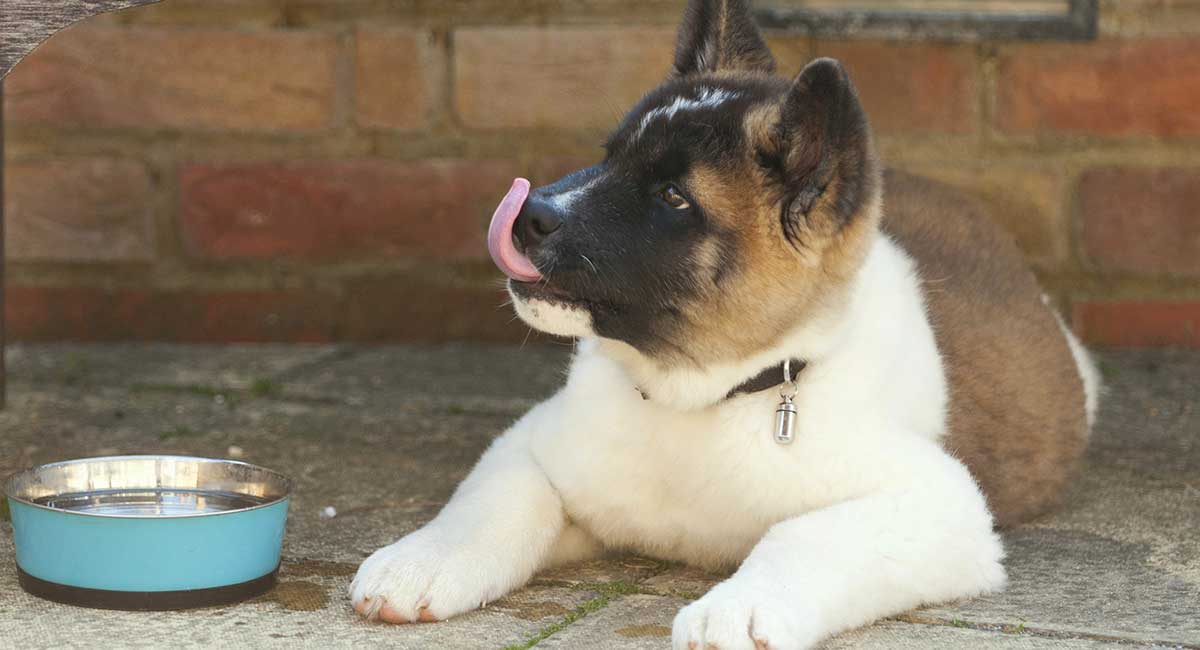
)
(720, 35)
(827, 142)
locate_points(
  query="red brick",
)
(79, 210)
(152, 77)
(412, 309)
(341, 209)
(391, 86)
(1141, 220)
(911, 87)
(557, 77)
(1139, 323)
(1108, 88)
(382, 309)
(90, 314)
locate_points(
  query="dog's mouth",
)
(510, 261)
(525, 280)
(546, 292)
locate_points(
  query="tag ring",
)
(789, 388)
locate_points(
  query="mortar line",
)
(582, 611)
(338, 352)
(1045, 633)
(608, 592)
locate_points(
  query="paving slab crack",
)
(607, 593)
(335, 354)
(1021, 629)
(262, 389)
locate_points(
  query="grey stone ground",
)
(383, 435)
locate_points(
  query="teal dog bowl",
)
(147, 532)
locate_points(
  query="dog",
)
(777, 370)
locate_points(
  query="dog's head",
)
(730, 205)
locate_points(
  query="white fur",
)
(553, 318)
(708, 98)
(564, 201)
(863, 516)
(1088, 372)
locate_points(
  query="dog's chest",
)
(698, 487)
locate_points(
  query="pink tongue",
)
(500, 241)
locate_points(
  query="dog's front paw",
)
(738, 614)
(422, 577)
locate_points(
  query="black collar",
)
(769, 378)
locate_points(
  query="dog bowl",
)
(147, 532)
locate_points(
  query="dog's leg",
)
(502, 524)
(574, 544)
(927, 540)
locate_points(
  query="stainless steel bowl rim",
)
(11, 482)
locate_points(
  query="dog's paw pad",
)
(736, 619)
(418, 579)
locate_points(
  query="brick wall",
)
(323, 169)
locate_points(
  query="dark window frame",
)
(1078, 24)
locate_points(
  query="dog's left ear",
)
(823, 152)
(718, 35)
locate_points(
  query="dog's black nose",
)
(538, 218)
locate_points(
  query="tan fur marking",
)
(773, 283)
(760, 125)
(707, 256)
(1016, 400)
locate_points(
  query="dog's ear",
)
(720, 35)
(822, 149)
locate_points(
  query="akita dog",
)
(778, 369)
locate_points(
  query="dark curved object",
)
(1077, 24)
(3, 313)
(146, 600)
(24, 24)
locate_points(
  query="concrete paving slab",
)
(1122, 557)
(307, 609)
(463, 371)
(1082, 583)
(1150, 414)
(682, 582)
(232, 366)
(893, 635)
(616, 569)
(635, 622)
(384, 434)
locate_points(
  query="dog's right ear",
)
(718, 35)
(823, 150)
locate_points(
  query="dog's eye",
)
(672, 197)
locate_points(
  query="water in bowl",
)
(151, 502)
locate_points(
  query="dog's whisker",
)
(590, 263)
(545, 281)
